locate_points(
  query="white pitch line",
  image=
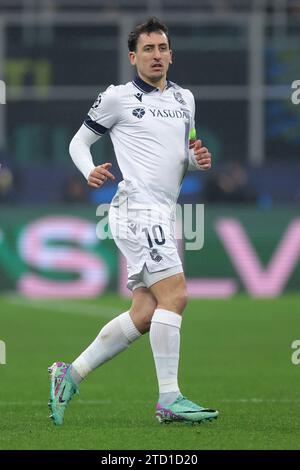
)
(43, 403)
(261, 400)
(66, 306)
(108, 402)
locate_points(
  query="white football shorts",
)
(146, 237)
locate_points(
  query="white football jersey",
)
(149, 129)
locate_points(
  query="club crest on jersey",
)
(139, 112)
(155, 255)
(178, 97)
(139, 96)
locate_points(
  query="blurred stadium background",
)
(240, 58)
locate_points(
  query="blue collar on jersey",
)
(145, 87)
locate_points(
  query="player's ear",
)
(171, 57)
(131, 56)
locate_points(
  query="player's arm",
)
(199, 156)
(101, 117)
(81, 155)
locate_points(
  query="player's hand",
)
(202, 156)
(99, 175)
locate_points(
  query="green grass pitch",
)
(235, 356)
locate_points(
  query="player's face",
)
(152, 57)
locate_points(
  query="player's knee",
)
(146, 321)
(147, 313)
(142, 317)
(181, 300)
(176, 301)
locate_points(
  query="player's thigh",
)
(171, 293)
(142, 308)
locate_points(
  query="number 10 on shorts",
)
(157, 235)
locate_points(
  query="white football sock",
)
(114, 337)
(165, 344)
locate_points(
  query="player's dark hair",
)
(153, 25)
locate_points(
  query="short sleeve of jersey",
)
(105, 111)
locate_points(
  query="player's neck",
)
(161, 84)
